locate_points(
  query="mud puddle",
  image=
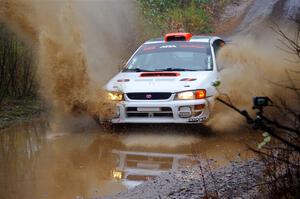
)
(37, 162)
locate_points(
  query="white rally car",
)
(168, 80)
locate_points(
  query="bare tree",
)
(279, 120)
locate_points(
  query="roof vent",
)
(180, 36)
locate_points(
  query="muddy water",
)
(39, 162)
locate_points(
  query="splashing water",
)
(255, 66)
(78, 47)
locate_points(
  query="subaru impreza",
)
(167, 80)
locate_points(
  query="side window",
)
(217, 45)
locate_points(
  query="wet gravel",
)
(237, 180)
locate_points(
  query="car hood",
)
(128, 82)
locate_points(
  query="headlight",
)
(117, 175)
(191, 95)
(115, 96)
(188, 95)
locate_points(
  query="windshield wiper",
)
(175, 69)
(136, 70)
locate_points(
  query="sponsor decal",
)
(188, 79)
(168, 46)
(197, 119)
(209, 62)
(190, 46)
(123, 80)
(194, 119)
(148, 48)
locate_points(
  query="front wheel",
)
(97, 119)
(107, 125)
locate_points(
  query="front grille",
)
(163, 112)
(149, 96)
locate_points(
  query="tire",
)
(96, 119)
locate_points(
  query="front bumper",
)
(155, 111)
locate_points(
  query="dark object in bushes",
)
(261, 101)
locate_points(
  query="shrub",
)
(16, 67)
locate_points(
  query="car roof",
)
(198, 38)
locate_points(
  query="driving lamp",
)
(191, 95)
(115, 96)
(117, 175)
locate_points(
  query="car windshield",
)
(171, 56)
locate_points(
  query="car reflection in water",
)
(133, 168)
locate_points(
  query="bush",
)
(16, 67)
